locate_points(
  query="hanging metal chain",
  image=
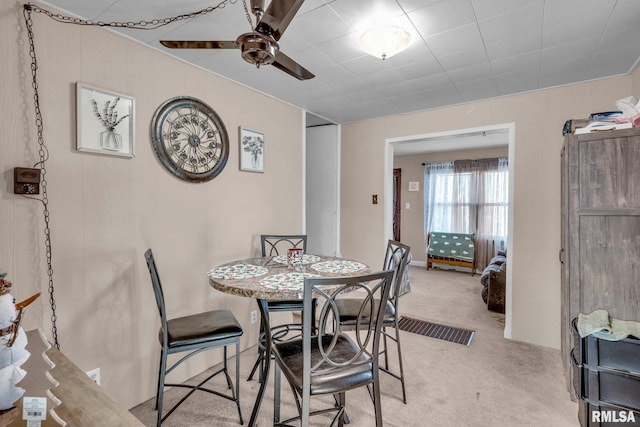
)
(139, 25)
(43, 150)
(44, 156)
(246, 12)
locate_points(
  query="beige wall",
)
(538, 118)
(412, 219)
(106, 211)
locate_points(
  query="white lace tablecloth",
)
(264, 278)
(293, 281)
(237, 271)
(338, 266)
(306, 259)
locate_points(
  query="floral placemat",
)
(338, 266)
(306, 259)
(237, 271)
(288, 281)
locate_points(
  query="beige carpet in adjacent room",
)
(492, 382)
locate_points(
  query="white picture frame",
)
(251, 145)
(104, 121)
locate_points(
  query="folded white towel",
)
(621, 329)
(597, 321)
(599, 324)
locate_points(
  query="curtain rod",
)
(471, 160)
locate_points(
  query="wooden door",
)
(397, 189)
(607, 220)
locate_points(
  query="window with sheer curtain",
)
(469, 196)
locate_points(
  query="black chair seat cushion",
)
(349, 308)
(199, 328)
(285, 305)
(290, 357)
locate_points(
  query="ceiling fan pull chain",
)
(246, 11)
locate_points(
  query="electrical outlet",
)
(94, 374)
(254, 317)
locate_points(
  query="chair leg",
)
(341, 409)
(313, 314)
(386, 350)
(226, 369)
(277, 381)
(306, 408)
(255, 365)
(376, 398)
(160, 391)
(404, 391)
(260, 359)
(237, 393)
(342, 412)
(158, 383)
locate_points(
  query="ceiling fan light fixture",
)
(257, 48)
(260, 46)
(384, 42)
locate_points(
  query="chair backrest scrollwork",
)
(277, 244)
(397, 258)
(373, 292)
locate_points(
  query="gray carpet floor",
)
(492, 382)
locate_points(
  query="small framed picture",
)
(251, 150)
(104, 121)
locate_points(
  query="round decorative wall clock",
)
(189, 139)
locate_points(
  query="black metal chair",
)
(193, 334)
(274, 245)
(396, 258)
(331, 361)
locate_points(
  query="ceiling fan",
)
(260, 46)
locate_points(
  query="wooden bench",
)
(456, 249)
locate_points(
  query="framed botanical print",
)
(104, 121)
(251, 150)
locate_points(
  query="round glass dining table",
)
(272, 278)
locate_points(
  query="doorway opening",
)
(452, 141)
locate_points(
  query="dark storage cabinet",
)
(600, 239)
(606, 377)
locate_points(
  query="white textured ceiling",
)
(459, 141)
(462, 50)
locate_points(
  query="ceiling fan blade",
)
(291, 67)
(278, 16)
(199, 44)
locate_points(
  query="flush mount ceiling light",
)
(384, 42)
